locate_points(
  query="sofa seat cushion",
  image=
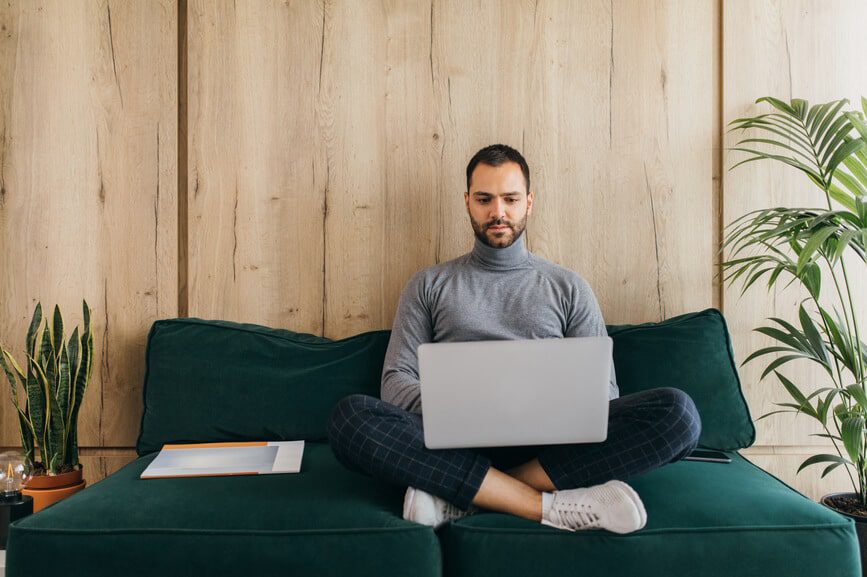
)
(326, 520)
(707, 519)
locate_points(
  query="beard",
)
(499, 239)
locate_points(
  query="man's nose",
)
(498, 208)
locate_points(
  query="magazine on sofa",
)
(218, 459)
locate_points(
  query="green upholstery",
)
(217, 380)
(324, 521)
(208, 381)
(691, 352)
(708, 519)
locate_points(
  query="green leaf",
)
(814, 242)
(830, 468)
(795, 392)
(781, 361)
(812, 333)
(852, 432)
(57, 332)
(843, 153)
(857, 393)
(822, 458)
(31, 331)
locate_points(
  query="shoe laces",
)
(452, 511)
(575, 514)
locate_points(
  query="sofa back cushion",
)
(208, 381)
(691, 352)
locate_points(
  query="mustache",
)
(499, 222)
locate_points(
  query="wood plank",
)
(256, 179)
(621, 125)
(89, 179)
(415, 143)
(350, 104)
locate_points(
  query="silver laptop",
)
(510, 393)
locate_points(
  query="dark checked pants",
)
(645, 431)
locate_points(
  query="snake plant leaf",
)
(58, 331)
(84, 373)
(39, 409)
(852, 432)
(31, 331)
(823, 458)
(74, 364)
(62, 396)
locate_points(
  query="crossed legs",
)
(646, 430)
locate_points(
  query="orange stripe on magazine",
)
(217, 445)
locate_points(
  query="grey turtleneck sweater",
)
(488, 294)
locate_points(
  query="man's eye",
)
(511, 200)
(484, 201)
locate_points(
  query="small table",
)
(3, 563)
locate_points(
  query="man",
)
(501, 291)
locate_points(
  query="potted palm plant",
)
(816, 247)
(54, 382)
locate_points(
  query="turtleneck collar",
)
(510, 257)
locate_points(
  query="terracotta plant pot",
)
(49, 489)
(860, 524)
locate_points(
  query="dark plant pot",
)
(860, 525)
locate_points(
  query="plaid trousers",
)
(645, 431)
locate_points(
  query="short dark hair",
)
(495, 155)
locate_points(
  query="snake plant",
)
(813, 246)
(53, 387)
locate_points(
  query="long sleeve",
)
(585, 320)
(412, 327)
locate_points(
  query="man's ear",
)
(467, 200)
(530, 196)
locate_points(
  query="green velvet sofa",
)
(215, 380)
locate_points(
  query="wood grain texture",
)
(88, 208)
(808, 49)
(620, 130)
(256, 185)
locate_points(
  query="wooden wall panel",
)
(620, 130)
(88, 204)
(805, 49)
(257, 181)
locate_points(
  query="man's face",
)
(498, 203)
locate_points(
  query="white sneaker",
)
(424, 508)
(613, 506)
